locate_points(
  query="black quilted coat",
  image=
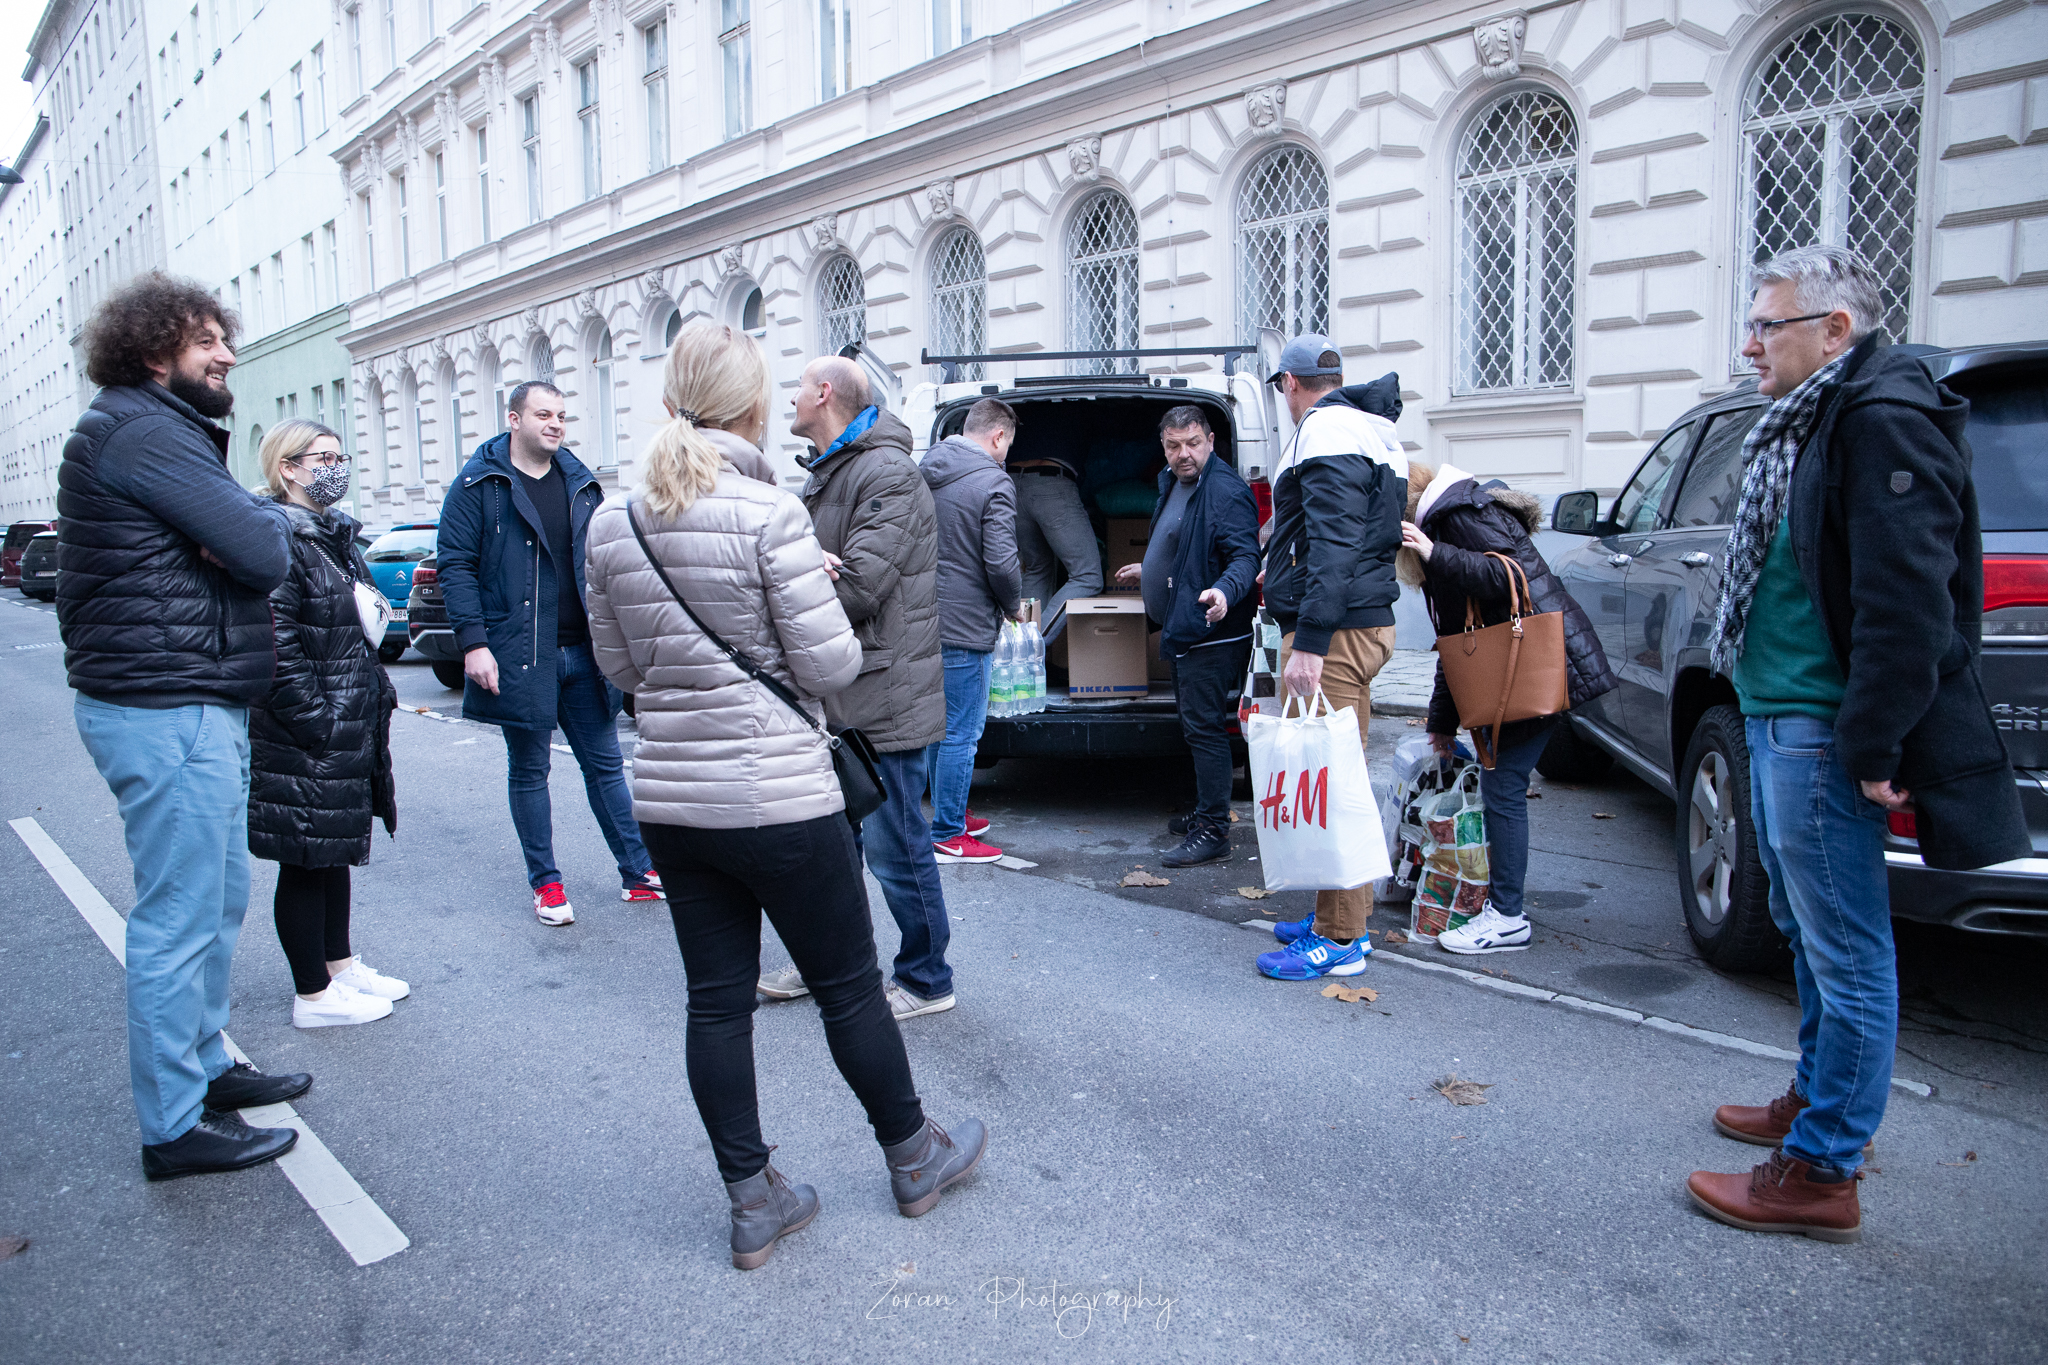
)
(1466, 522)
(320, 743)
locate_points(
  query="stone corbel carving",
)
(408, 139)
(732, 258)
(1084, 157)
(586, 305)
(348, 177)
(437, 351)
(1499, 41)
(939, 195)
(1265, 108)
(546, 40)
(654, 284)
(824, 230)
(490, 78)
(531, 318)
(445, 114)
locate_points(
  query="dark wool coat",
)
(1219, 548)
(319, 744)
(1885, 529)
(871, 508)
(1466, 522)
(147, 619)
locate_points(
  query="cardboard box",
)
(1105, 639)
(1125, 539)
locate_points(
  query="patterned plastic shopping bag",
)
(1454, 878)
(1319, 827)
(1261, 694)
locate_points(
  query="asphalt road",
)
(1189, 1162)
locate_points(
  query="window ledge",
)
(1517, 400)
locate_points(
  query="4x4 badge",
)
(1901, 480)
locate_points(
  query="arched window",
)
(447, 422)
(1283, 234)
(413, 420)
(540, 359)
(490, 379)
(1518, 196)
(604, 394)
(960, 300)
(377, 436)
(754, 315)
(1831, 152)
(842, 304)
(672, 328)
(1102, 282)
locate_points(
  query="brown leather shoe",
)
(1765, 1125)
(1779, 1196)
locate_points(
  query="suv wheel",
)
(390, 651)
(1571, 757)
(448, 674)
(1721, 879)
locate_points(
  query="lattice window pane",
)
(1832, 152)
(960, 301)
(1284, 244)
(1102, 282)
(1518, 194)
(843, 304)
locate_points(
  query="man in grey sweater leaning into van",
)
(979, 583)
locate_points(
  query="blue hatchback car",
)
(391, 557)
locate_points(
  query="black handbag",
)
(854, 758)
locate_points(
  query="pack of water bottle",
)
(1017, 672)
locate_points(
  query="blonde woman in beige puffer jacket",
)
(736, 796)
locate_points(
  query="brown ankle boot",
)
(1765, 1125)
(1781, 1196)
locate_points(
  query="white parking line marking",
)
(364, 1230)
(1699, 1035)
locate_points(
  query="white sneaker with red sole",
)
(551, 906)
(965, 848)
(646, 890)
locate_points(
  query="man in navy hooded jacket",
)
(510, 552)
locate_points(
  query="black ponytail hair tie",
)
(692, 418)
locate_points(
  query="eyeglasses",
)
(325, 459)
(1759, 328)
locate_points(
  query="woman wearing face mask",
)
(319, 745)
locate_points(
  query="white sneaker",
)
(784, 983)
(1489, 931)
(340, 1005)
(905, 1004)
(361, 976)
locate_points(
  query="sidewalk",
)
(1403, 686)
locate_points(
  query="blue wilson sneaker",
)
(1294, 930)
(1312, 956)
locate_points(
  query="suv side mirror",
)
(1576, 514)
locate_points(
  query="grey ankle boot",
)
(764, 1207)
(922, 1166)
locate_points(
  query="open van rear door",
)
(885, 386)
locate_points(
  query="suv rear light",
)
(420, 576)
(1902, 823)
(1262, 494)
(2015, 598)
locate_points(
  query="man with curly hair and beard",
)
(165, 567)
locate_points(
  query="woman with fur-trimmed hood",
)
(1453, 522)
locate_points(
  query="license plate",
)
(45, 573)
(398, 613)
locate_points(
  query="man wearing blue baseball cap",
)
(1339, 493)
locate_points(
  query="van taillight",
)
(1902, 823)
(2015, 581)
(420, 576)
(1262, 494)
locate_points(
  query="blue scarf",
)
(855, 429)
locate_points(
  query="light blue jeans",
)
(949, 764)
(181, 780)
(1822, 843)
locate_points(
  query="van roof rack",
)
(950, 365)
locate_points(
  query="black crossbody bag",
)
(853, 753)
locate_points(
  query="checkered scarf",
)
(1769, 454)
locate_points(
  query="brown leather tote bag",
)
(1512, 671)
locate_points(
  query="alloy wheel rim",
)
(1710, 841)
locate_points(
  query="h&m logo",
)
(1311, 800)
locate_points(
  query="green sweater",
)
(1787, 667)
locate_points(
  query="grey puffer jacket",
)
(717, 749)
(872, 509)
(979, 577)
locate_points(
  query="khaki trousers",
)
(1354, 660)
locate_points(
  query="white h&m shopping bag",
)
(1319, 827)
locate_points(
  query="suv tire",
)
(1727, 899)
(448, 674)
(1571, 757)
(389, 653)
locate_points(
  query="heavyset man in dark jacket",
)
(979, 585)
(1200, 567)
(166, 567)
(1850, 601)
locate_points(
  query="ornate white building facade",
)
(40, 402)
(1538, 216)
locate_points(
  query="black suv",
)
(1649, 576)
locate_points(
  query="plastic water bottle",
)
(1034, 653)
(1002, 678)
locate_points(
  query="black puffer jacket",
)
(147, 619)
(1467, 521)
(319, 744)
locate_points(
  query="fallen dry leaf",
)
(1253, 893)
(1392, 937)
(1602, 815)
(12, 1246)
(1460, 1092)
(1350, 995)
(1233, 818)
(1969, 1156)
(1140, 877)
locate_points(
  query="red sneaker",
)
(965, 848)
(645, 889)
(551, 905)
(976, 826)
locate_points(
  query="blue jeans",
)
(949, 764)
(181, 780)
(1505, 794)
(1822, 843)
(897, 843)
(584, 713)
